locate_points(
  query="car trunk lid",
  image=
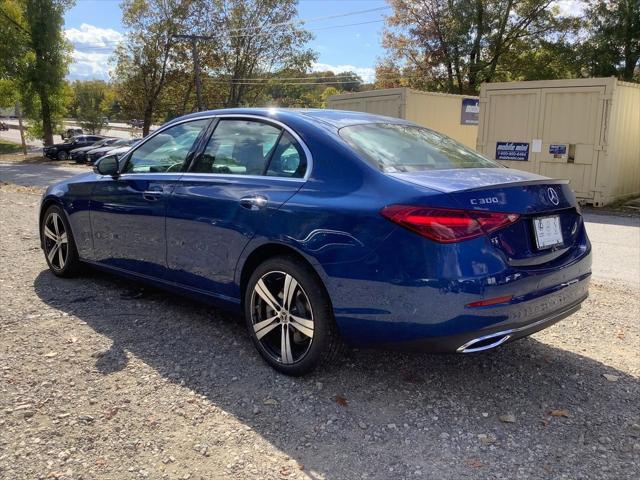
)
(531, 196)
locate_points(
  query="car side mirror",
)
(107, 166)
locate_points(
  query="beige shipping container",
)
(453, 115)
(583, 130)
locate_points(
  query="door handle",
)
(254, 202)
(152, 195)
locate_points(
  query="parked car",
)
(79, 154)
(94, 154)
(60, 151)
(136, 123)
(118, 153)
(325, 227)
(71, 132)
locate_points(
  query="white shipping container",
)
(583, 130)
(453, 115)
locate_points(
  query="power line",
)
(311, 20)
(282, 84)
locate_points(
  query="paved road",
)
(615, 239)
(13, 135)
(616, 247)
(38, 174)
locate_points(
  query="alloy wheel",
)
(56, 241)
(282, 317)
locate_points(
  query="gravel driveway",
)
(100, 380)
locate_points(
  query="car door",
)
(128, 211)
(247, 169)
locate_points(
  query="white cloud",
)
(92, 47)
(573, 8)
(366, 73)
(91, 36)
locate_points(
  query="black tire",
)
(62, 155)
(71, 265)
(324, 345)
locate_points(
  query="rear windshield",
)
(406, 148)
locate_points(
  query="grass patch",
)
(9, 147)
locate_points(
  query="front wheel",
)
(58, 243)
(62, 155)
(289, 316)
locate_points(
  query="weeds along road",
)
(98, 382)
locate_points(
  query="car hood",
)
(454, 180)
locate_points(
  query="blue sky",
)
(94, 28)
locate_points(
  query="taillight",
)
(446, 225)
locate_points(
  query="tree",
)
(9, 99)
(455, 45)
(613, 44)
(252, 38)
(35, 55)
(144, 61)
(92, 102)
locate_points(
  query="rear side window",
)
(288, 159)
(408, 148)
(248, 147)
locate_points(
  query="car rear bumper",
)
(435, 310)
(566, 303)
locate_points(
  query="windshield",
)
(407, 148)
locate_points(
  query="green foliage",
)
(8, 93)
(613, 46)
(250, 41)
(92, 104)
(144, 63)
(455, 45)
(9, 147)
(34, 55)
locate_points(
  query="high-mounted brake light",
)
(446, 225)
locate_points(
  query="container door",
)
(570, 127)
(512, 126)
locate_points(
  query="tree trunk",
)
(22, 140)
(47, 128)
(147, 119)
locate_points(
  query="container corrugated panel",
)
(578, 130)
(438, 111)
(620, 178)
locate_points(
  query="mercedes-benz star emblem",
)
(553, 196)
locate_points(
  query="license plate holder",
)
(548, 232)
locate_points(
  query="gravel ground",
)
(99, 379)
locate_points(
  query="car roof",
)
(336, 118)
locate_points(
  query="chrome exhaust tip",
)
(485, 342)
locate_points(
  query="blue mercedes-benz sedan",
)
(327, 228)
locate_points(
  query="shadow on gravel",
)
(451, 404)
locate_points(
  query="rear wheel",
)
(62, 155)
(59, 246)
(289, 316)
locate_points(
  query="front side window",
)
(408, 148)
(166, 151)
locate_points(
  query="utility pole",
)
(196, 63)
(196, 71)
